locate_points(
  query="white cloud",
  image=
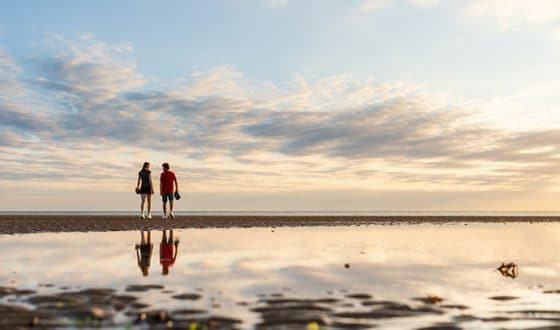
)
(374, 5)
(275, 3)
(88, 70)
(514, 13)
(424, 3)
(9, 85)
(339, 131)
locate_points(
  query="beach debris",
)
(552, 292)
(508, 270)
(429, 299)
(359, 296)
(313, 325)
(346, 265)
(187, 296)
(390, 310)
(441, 326)
(504, 298)
(8, 291)
(97, 313)
(156, 316)
(294, 313)
(143, 288)
(455, 306)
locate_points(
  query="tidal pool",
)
(387, 277)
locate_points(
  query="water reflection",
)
(167, 251)
(144, 252)
(168, 248)
(400, 277)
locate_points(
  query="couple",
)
(168, 189)
(167, 251)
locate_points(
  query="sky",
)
(282, 104)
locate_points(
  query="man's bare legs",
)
(171, 214)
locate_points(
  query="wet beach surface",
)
(454, 276)
(36, 223)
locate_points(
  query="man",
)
(167, 251)
(167, 186)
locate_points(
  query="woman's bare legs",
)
(149, 204)
(142, 239)
(143, 196)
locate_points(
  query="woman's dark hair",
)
(144, 166)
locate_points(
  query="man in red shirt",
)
(167, 251)
(167, 186)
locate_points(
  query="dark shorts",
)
(145, 190)
(166, 197)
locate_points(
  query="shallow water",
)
(266, 276)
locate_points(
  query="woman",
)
(145, 188)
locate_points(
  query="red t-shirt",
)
(166, 181)
(166, 255)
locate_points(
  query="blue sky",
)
(281, 98)
(399, 41)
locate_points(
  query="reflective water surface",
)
(475, 276)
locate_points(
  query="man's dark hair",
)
(165, 166)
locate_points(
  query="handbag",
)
(177, 196)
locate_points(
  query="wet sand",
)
(20, 224)
(99, 307)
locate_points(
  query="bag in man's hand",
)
(177, 196)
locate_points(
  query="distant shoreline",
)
(40, 223)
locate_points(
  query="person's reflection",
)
(144, 252)
(167, 251)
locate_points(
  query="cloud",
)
(424, 3)
(231, 132)
(400, 128)
(15, 117)
(275, 3)
(9, 85)
(87, 72)
(515, 13)
(374, 5)
(367, 6)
